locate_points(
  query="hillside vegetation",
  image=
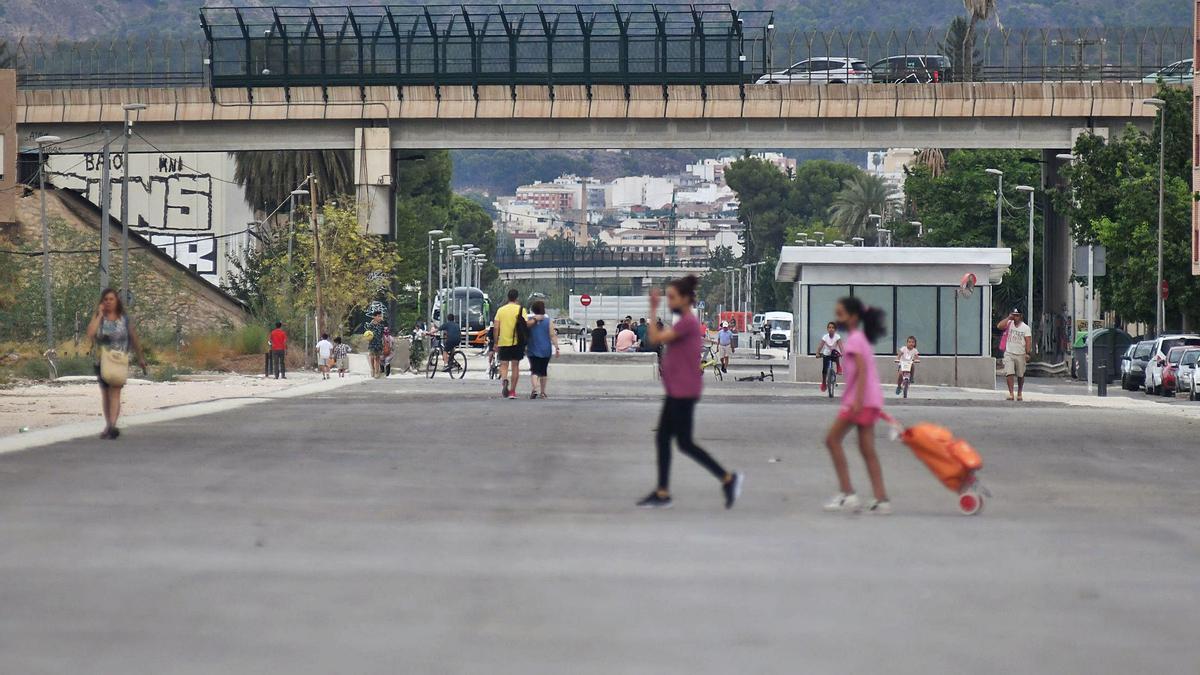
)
(98, 18)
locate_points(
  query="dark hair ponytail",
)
(686, 286)
(870, 319)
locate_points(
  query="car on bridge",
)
(916, 68)
(1180, 72)
(821, 70)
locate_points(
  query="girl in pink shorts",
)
(862, 405)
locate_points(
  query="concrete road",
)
(418, 527)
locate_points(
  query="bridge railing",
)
(290, 51)
(590, 257)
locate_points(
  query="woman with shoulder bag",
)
(113, 336)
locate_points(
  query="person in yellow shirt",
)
(510, 348)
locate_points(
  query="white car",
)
(822, 70)
(1158, 358)
(1186, 376)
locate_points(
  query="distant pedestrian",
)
(451, 339)
(389, 349)
(725, 345)
(543, 343)
(599, 337)
(684, 382)
(341, 356)
(324, 355)
(862, 405)
(627, 339)
(640, 330)
(373, 331)
(511, 335)
(279, 340)
(113, 337)
(1017, 346)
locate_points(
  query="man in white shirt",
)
(324, 355)
(1018, 345)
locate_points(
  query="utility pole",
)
(42, 142)
(1159, 305)
(312, 190)
(105, 208)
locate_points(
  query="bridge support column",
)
(8, 147)
(1053, 322)
(374, 187)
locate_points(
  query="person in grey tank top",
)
(110, 328)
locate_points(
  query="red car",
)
(1170, 383)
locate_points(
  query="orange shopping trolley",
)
(951, 459)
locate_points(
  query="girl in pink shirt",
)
(862, 405)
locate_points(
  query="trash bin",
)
(1107, 346)
(733, 340)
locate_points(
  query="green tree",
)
(268, 177)
(859, 197)
(1113, 201)
(977, 10)
(958, 209)
(965, 60)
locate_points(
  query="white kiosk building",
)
(917, 288)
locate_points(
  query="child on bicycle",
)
(906, 359)
(862, 406)
(830, 352)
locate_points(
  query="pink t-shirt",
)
(626, 339)
(857, 343)
(681, 373)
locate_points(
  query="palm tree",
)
(977, 10)
(932, 159)
(268, 177)
(859, 197)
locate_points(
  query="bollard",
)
(1101, 381)
(267, 364)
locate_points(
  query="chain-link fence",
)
(659, 51)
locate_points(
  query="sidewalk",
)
(44, 413)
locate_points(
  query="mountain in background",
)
(74, 19)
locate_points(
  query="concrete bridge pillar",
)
(8, 147)
(374, 186)
(1052, 320)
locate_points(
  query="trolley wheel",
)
(970, 503)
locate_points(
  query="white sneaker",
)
(880, 508)
(844, 502)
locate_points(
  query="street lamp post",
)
(128, 131)
(433, 234)
(443, 247)
(1159, 305)
(1067, 157)
(1029, 273)
(42, 142)
(999, 203)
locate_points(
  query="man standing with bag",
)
(511, 335)
(1017, 344)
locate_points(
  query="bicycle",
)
(455, 365)
(711, 361)
(906, 370)
(762, 376)
(493, 366)
(831, 373)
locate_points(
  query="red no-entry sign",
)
(1166, 289)
(585, 300)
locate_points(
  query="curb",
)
(78, 430)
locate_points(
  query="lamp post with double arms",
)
(1159, 305)
(433, 234)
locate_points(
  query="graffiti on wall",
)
(171, 203)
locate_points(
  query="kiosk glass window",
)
(970, 322)
(880, 297)
(917, 315)
(821, 300)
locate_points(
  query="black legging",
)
(676, 421)
(826, 361)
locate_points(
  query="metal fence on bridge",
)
(513, 44)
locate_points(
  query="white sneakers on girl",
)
(844, 502)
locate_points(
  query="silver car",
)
(821, 70)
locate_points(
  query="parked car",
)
(1187, 373)
(1180, 72)
(1170, 373)
(821, 70)
(568, 327)
(912, 68)
(1158, 358)
(1136, 376)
